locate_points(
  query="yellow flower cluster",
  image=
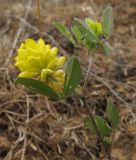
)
(39, 60)
(96, 27)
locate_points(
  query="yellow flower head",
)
(39, 60)
(96, 27)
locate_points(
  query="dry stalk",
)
(26, 130)
(106, 84)
(39, 16)
(18, 33)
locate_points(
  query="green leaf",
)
(102, 126)
(113, 114)
(107, 48)
(72, 75)
(107, 22)
(62, 28)
(85, 30)
(78, 35)
(38, 87)
(64, 31)
(90, 46)
(107, 140)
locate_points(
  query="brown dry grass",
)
(34, 128)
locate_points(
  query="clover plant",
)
(57, 77)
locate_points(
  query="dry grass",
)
(33, 127)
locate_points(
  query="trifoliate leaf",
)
(85, 30)
(78, 35)
(64, 31)
(107, 48)
(38, 87)
(72, 76)
(102, 126)
(113, 114)
(107, 22)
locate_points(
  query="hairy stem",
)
(97, 130)
(88, 71)
(106, 150)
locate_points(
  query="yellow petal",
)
(60, 61)
(99, 29)
(95, 26)
(47, 47)
(30, 43)
(89, 22)
(54, 51)
(57, 86)
(41, 43)
(21, 65)
(57, 63)
(22, 54)
(45, 72)
(59, 72)
(32, 52)
(57, 82)
(34, 64)
(59, 75)
(27, 74)
(38, 59)
(21, 50)
(22, 46)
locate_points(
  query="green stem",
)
(88, 71)
(96, 129)
(106, 150)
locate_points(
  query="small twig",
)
(39, 16)
(41, 151)
(21, 26)
(91, 154)
(9, 156)
(112, 91)
(26, 130)
(112, 139)
(74, 127)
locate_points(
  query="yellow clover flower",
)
(96, 27)
(39, 60)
